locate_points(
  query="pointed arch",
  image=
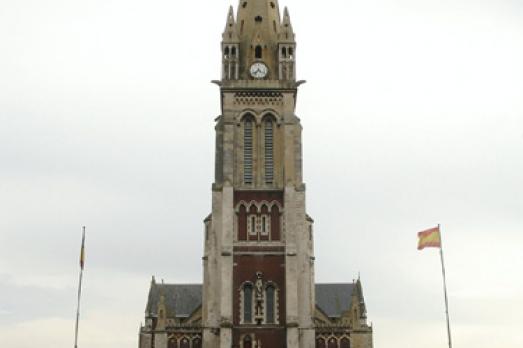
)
(247, 293)
(242, 222)
(247, 342)
(268, 130)
(258, 52)
(320, 343)
(197, 343)
(172, 343)
(270, 304)
(275, 222)
(333, 343)
(249, 126)
(345, 343)
(185, 343)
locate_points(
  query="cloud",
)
(412, 117)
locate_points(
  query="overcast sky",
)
(412, 115)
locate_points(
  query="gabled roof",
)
(334, 299)
(181, 300)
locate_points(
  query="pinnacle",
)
(230, 33)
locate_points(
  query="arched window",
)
(226, 52)
(233, 51)
(270, 304)
(247, 303)
(333, 343)
(275, 223)
(197, 343)
(344, 343)
(320, 343)
(172, 343)
(284, 52)
(269, 151)
(184, 343)
(248, 150)
(247, 342)
(242, 223)
(258, 52)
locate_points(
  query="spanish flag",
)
(429, 238)
(82, 251)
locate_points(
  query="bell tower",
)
(258, 286)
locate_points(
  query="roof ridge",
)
(181, 284)
(335, 283)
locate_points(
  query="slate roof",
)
(183, 298)
(332, 299)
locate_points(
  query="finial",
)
(287, 33)
(229, 34)
(153, 280)
(230, 17)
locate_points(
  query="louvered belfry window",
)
(269, 152)
(247, 151)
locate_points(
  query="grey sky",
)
(412, 115)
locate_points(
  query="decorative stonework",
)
(184, 340)
(258, 261)
(258, 292)
(258, 98)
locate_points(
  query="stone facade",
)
(258, 265)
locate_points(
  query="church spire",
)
(287, 49)
(286, 32)
(230, 34)
(258, 16)
(230, 49)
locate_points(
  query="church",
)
(258, 286)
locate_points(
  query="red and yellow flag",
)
(429, 239)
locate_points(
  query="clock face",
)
(259, 70)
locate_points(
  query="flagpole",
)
(445, 288)
(79, 289)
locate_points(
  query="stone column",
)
(160, 340)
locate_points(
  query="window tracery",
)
(259, 224)
(259, 302)
(258, 221)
